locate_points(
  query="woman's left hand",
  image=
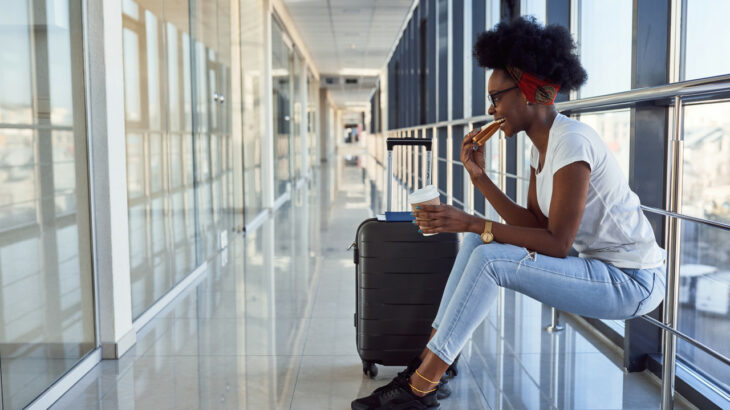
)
(443, 218)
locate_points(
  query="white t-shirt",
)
(613, 228)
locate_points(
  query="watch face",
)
(487, 237)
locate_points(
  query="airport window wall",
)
(183, 146)
(195, 111)
(47, 320)
(434, 89)
(160, 147)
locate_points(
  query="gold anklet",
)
(421, 391)
(421, 376)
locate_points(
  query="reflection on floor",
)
(270, 326)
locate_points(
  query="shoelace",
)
(389, 394)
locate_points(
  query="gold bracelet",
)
(421, 391)
(421, 376)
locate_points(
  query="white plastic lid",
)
(424, 194)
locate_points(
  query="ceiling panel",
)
(347, 35)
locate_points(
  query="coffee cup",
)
(427, 195)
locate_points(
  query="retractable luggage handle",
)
(392, 142)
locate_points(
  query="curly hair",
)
(546, 52)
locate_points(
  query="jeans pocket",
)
(655, 297)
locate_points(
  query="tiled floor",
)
(270, 326)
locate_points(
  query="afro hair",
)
(546, 52)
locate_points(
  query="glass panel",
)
(158, 111)
(313, 119)
(524, 150)
(599, 37)
(536, 8)
(706, 176)
(457, 181)
(298, 101)
(252, 62)
(706, 37)
(614, 128)
(493, 165)
(213, 138)
(704, 296)
(441, 184)
(46, 295)
(281, 73)
(479, 201)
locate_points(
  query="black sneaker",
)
(399, 396)
(444, 390)
(403, 375)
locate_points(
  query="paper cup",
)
(427, 195)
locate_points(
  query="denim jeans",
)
(587, 287)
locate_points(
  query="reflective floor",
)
(270, 326)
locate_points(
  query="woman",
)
(578, 197)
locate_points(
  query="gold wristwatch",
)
(487, 235)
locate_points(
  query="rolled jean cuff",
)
(443, 355)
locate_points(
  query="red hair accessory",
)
(535, 90)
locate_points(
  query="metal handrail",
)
(717, 355)
(692, 88)
(695, 219)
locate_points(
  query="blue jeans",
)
(587, 287)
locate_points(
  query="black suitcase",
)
(401, 276)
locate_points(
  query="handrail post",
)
(673, 232)
(389, 182)
(554, 326)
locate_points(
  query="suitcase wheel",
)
(369, 369)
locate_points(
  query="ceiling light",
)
(365, 72)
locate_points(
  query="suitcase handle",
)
(392, 142)
(424, 142)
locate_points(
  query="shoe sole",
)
(363, 407)
(358, 406)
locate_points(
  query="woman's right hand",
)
(473, 160)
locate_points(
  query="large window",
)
(706, 52)
(46, 302)
(214, 156)
(704, 297)
(614, 127)
(159, 128)
(600, 38)
(535, 8)
(179, 148)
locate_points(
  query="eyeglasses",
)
(493, 96)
